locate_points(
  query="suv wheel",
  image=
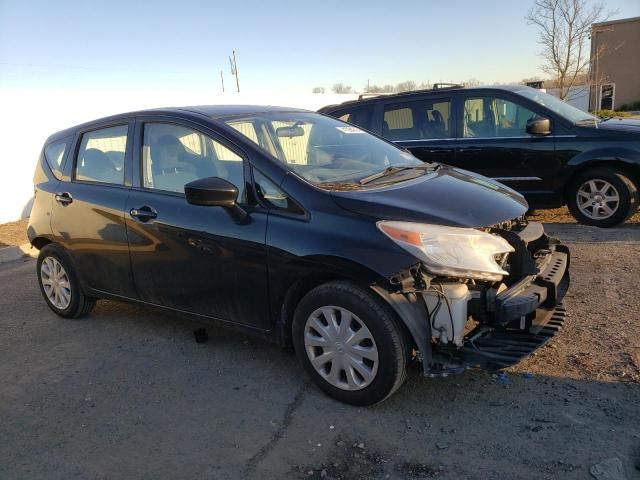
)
(350, 343)
(59, 283)
(602, 198)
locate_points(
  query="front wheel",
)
(59, 283)
(602, 197)
(350, 343)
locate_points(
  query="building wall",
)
(615, 58)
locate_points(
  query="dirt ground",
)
(127, 393)
(13, 233)
(562, 215)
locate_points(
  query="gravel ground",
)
(127, 393)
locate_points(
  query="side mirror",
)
(215, 192)
(539, 126)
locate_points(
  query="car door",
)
(493, 142)
(193, 258)
(426, 127)
(88, 212)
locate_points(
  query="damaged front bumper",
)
(502, 323)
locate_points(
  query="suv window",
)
(54, 154)
(101, 155)
(360, 115)
(424, 119)
(495, 117)
(174, 155)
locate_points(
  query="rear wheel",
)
(350, 343)
(602, 198)
(59, 283)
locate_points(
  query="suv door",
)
(88, 211)
(426, 127)
(187, 257)
(493, 142)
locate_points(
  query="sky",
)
(281, 46)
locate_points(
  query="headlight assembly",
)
(450, 251)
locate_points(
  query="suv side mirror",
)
(215, 192)
(539, 126)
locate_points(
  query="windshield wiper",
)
(393, 169)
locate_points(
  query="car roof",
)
(419, 93)
(197, 112)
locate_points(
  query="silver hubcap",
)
(597, 199)
(56, 283)
(341, 348)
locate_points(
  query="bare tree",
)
(317, 90)
(341, 88)
(472, 82)
(565, 26)
(406, 86)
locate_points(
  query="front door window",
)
(490, 117)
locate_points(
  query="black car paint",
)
(198, 260)
(549, 163)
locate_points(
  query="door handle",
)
(144, 213)
(63, 198)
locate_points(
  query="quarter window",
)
(54, 154)
(173, 155)
(269, 192)
(101, 155)
(487, 117)
(357, 115)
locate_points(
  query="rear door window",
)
(419, 120)
(101, 155)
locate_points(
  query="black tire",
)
(79, 304)
(390, 340)
(627, 192)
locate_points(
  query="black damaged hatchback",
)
(302, 229)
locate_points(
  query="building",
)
(615, 64)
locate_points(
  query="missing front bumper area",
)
(513, 323)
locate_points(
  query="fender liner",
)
(411, 310)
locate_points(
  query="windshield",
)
(321, 149)
(556, 105)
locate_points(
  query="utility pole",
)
(234, 69)
(222, 80)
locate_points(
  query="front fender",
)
(616, 154)
(411, 310)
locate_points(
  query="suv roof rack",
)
(440, 86)
(362, 96)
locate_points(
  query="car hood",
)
(620, 124)
(448, 196)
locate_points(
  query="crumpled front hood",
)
(448, 196)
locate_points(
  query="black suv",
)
(301, 229)
(551, 152)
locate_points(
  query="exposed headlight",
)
(450, 251)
